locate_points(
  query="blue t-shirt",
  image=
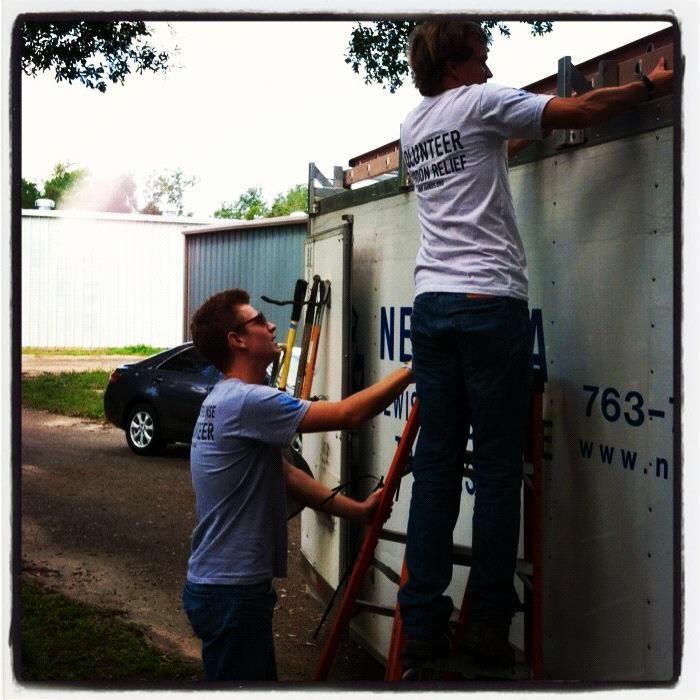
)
(236, 463)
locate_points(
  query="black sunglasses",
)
(258, 320)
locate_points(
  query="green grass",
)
(66, 641)
(145, 350)
(77, 394)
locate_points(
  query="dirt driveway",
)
(105, 526)
(33, 364)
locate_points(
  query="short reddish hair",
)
(212, 322)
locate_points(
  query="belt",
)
(471, 295)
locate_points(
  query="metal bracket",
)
(569, 137)
(327, 187)
(404, 178)
(606, 75)
(568, 80)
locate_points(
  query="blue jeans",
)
(472, 360)
(235, 626)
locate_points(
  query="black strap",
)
(648, 84)
(287, 302)
(337, 489)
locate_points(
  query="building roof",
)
(108, 216)
(297, 219)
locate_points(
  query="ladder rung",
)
(387, 571)
(392, 536)
(461, 555)
(366, 606)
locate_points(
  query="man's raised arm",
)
(597, 105)
(352, 412)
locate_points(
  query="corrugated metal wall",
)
(266, 260)
(101, 281)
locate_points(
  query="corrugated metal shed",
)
(263, 256)
(93, 279)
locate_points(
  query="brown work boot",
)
(487, 642)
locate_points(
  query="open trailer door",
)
(328, 253)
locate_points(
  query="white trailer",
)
(598, 215)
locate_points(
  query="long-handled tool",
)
(324, 298)
(299, 293)
(275, 369)
(306, 335)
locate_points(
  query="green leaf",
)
(379, 49)
(89, 51)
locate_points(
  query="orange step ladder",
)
(529, 569)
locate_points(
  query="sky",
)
(250, 104)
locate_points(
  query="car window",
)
(189, 361)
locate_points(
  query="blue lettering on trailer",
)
(388, 336)
(539, 357)
(661, 462)
(402, 406)
(386, 333)
(405, 334)
(627, 460)
(615, 405)
(586, 448)
(469, 485)
(606, 453)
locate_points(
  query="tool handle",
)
(324, 289)
(306, 336)
(310, 363)
(274, 372)
(299, 292)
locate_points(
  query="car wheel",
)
(143, 433)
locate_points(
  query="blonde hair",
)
(432, 44)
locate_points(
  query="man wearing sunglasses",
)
(240, 480)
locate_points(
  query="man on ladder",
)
(470, 326)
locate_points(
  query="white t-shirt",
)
(455, 149)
